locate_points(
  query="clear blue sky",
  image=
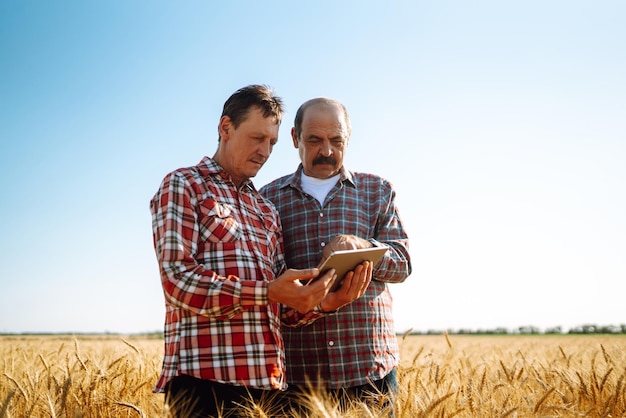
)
(501, 124)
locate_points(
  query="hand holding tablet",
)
(344, 261)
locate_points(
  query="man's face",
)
(247, 147)
(323, 140)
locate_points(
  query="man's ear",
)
(224, 127)
(294, 137)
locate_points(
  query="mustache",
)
(324, 160)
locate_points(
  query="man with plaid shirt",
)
(324, 207)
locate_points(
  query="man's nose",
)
(326, 150)
(266, 149)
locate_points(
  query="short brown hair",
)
(239, 103)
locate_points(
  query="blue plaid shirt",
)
(358, 343)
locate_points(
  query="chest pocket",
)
(217, 223)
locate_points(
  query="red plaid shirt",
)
(217, 248)
(358, 343)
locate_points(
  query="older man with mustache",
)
(324, 207)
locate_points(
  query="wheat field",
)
(439, 376)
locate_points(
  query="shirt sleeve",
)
(187, 283)
(395, 266)
(292, 318)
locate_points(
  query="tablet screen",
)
(345, 261)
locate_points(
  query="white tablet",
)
(344, 261)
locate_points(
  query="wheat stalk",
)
(131, 406)
(53, 413)
(5, 405)
(542, 400)
(19, 387)
(131, 346)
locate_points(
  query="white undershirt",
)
(318, 188)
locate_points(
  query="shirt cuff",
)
(253, 293)
(318, 310)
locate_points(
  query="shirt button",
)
(323, 244)
(331, 343)
(321, 215)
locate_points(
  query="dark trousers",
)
(379, 394)
(190, 397)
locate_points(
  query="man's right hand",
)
(344, 242)
(288, 290)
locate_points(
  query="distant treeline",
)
(523, 330)
(529, 329)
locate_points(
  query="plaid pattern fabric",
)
(358, 343)
(217, 248)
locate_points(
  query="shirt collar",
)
(294, 180)
(209, 167)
